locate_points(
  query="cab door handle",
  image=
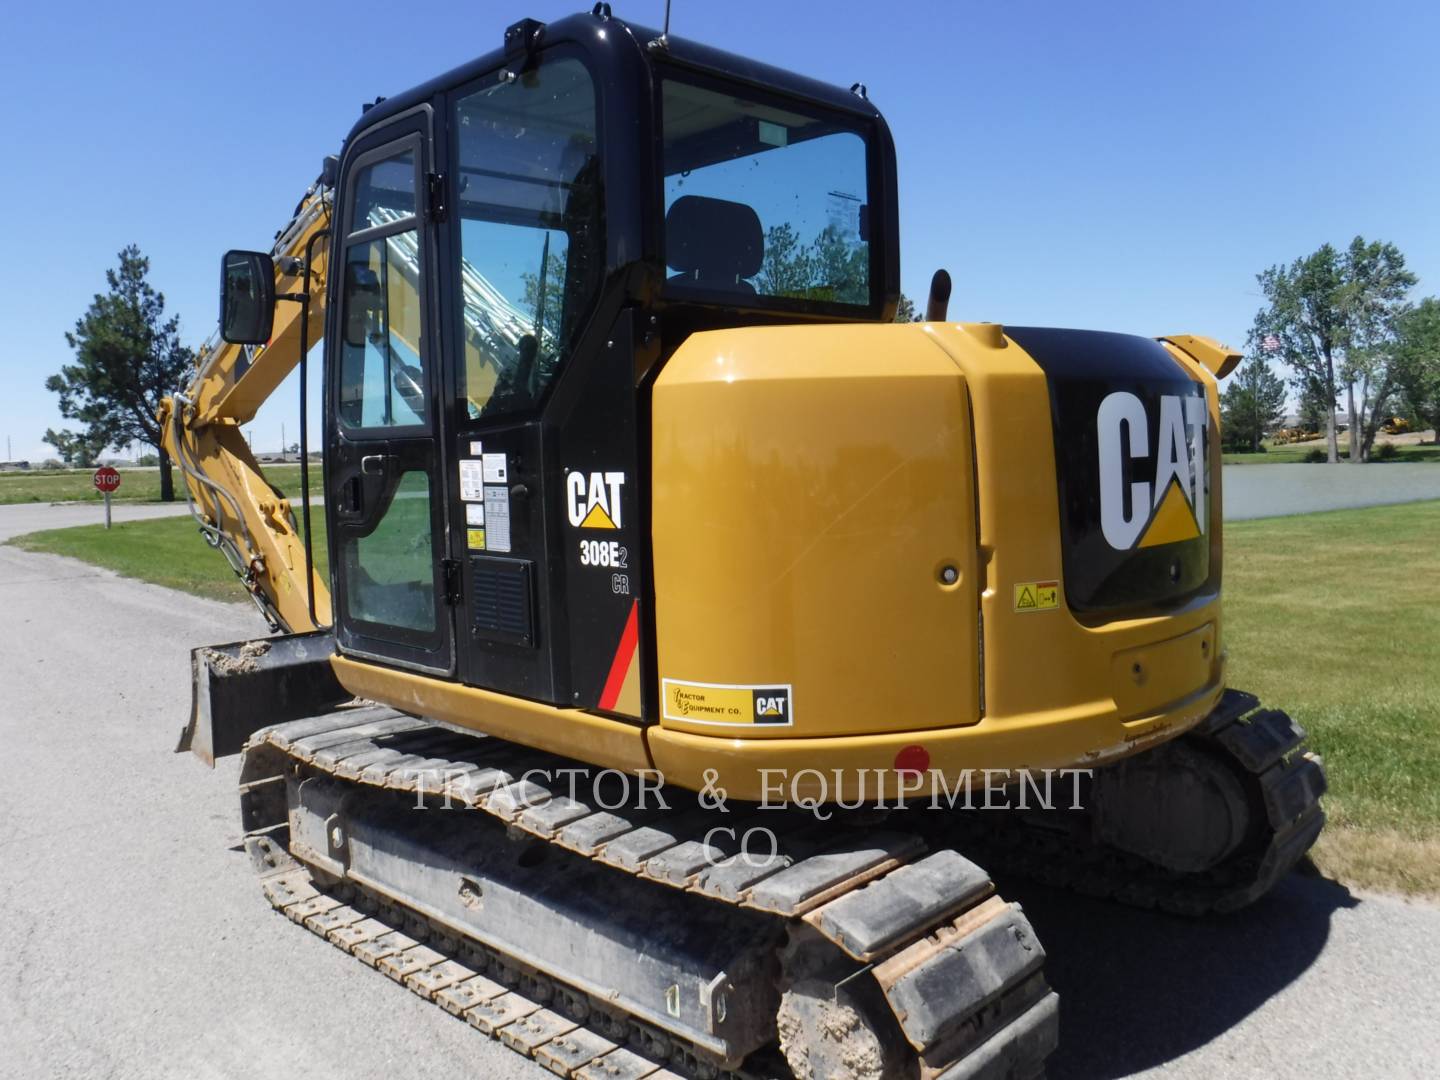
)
(350, 497)
(373, 464)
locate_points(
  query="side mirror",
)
(247, 297)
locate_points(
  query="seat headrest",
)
(713, 239)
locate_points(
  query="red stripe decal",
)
(629, 639)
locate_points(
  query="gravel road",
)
(137, 943)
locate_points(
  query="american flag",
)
(1271, 343)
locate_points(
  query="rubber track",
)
(1286, 782)
(431, 963)
(960, 967)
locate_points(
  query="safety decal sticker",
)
(621, 692)
(1037, 596)
(592, 499)
(475, 513)
(497, 518)
(475, 538)
(727, 703)
(496, 471)
(472, 483)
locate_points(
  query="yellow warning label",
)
(597, 518)
(475, 538)
(1037, 596)
(712, 703)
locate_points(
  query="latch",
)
(450, 576)
(435, 195)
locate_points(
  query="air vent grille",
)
(500, 604)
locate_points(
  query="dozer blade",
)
(240, 687)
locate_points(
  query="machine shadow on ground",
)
(1159, 986)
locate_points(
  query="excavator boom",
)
(238, 510)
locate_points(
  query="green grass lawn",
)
(1292, 453)
(136, 485)
(1333, 617)
(167, 551)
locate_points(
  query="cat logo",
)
(1170, 507)
(593, 499)
(772, 705)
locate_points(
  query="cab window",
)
(531, 245)
(382, 353)
(763, 199)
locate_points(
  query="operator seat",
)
(713, 243)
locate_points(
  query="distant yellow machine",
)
(627, 468)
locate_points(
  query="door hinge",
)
(435, 195)
(450, 573)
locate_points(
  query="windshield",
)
(763, 199)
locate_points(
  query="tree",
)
(551, 307)
(1417, 361)
(834, 267)
(127, 357)
(906, 311)
(1370, 388)
(1253, 404)
(1332, 316)
(842, 268)
(544, 303)
(787, 268)
(1314, 406)
(76, 450)
(1375, 304)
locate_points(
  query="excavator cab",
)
(519, 242)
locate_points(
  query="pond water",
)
(1253, 491)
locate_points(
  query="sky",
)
(1121, 166)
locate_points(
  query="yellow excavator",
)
(693, 634)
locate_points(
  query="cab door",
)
(384, 498)
(525, 261)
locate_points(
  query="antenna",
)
(663, 41)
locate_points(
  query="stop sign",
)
(106, 479)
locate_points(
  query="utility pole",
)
(1255, 415)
